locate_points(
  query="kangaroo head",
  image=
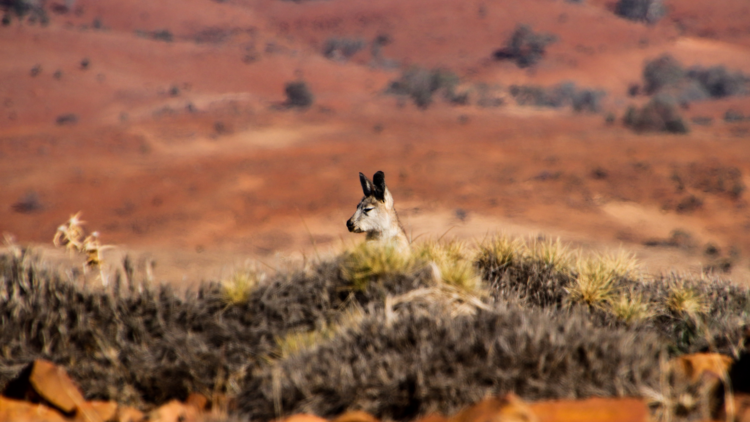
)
(375, 214)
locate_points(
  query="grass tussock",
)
(598, 277)
(454, 261)
(499, 252)
(237, 288)
(551, 253)
(370, 261)
(631, 308)
(684, 300)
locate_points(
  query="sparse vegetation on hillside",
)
(396, 335)
(159, 35)
(421, 84)
(713, 179)
(525, 46)
(561, 95)
(23, 9)
(648, 11)
(298, 95)
(342, 48)
(666, 75)
(660, 114)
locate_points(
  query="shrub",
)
(342, 48)
(67, 119)
(159, 35)
(666, 74)
(663, 71)
(660, 114)
(648, 11)
(28, 203)
(525, 46)
(162, 35)
(702, 120)
(420, 84)
(713, 179)
(719, 82)
(403, 343)
(22, 8)
(423, 361)
(733, 116)
(560, 95)
(298, 95)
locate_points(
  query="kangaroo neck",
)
(392, 232)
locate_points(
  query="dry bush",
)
(660, 114)
(512, 275)
(421, 84)
(400, 342)
(713, 179)
(661, 72)
(648, 11)
(342, 48)
(719, 82)
(666, 74)
(424, 361)
(564, 94)
(525, 46)
(298, 95)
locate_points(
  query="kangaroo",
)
(376, 215)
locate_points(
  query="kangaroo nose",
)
(350, 225)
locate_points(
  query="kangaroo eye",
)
(368, 209)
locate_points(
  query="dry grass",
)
(500, 252)
(72, 237)
(453, 260)
(296, 342)
(597, 278)
(631, 307)
(370, 261)
(236, 289)
(551, 253)
(686, 301)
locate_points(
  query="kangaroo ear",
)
(378, 181)
(367, 187)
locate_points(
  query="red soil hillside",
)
(181, 150)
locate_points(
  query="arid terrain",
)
(164, 123)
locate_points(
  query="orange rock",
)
(129, 414)
(696, 365)
(43, 381)
(740, 407)
(433, 417)
(304, 417)
(96, 411)
(174, 411)
(53, 384)
(509, 408)
(356, 416)
(198, 401)
(21, 411)
(596, 409)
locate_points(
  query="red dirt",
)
(238, 177)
